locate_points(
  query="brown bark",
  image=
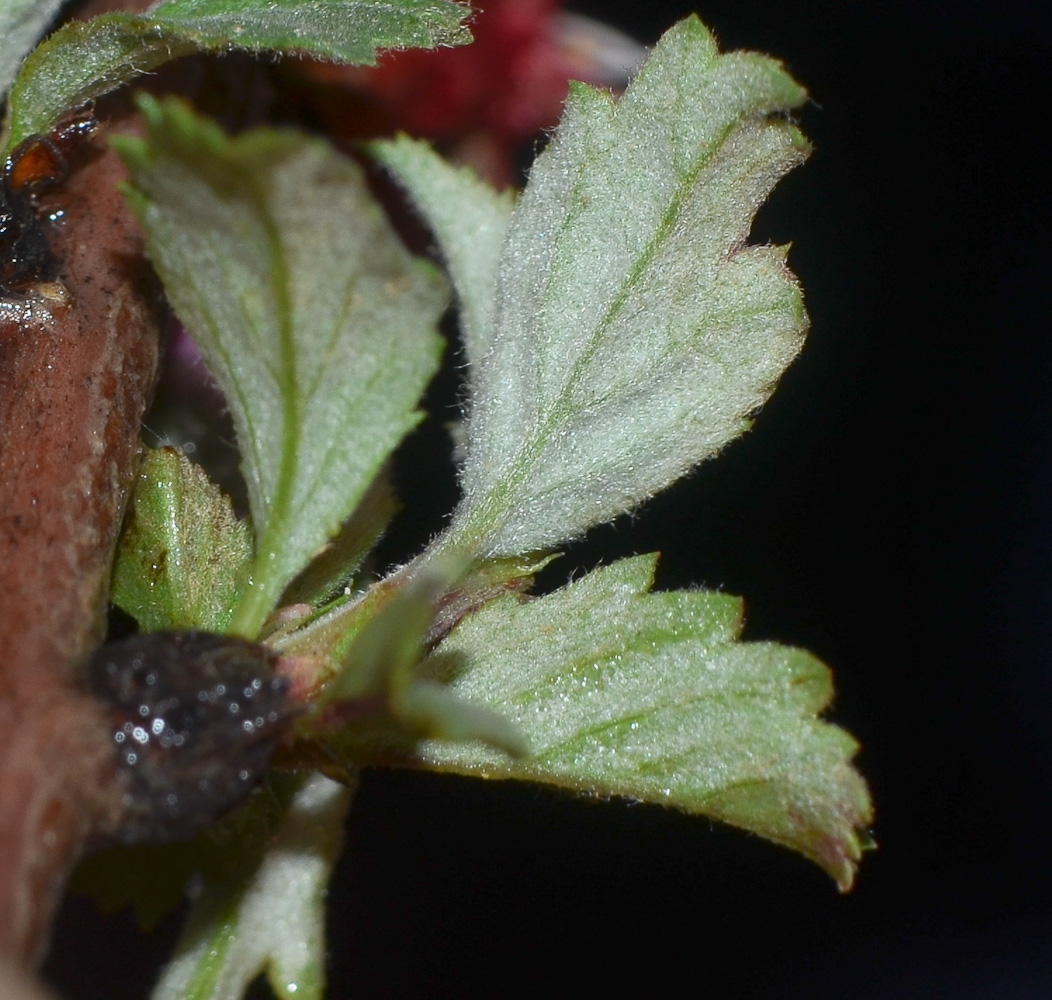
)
(75, 378)
(16, 985)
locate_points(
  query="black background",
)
(891, 511)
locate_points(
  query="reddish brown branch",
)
(74, 383)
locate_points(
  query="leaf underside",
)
(85, 59)
(315, 322)
(470, 221)
(22, 22)
(270, 918)
(633, 329)
(620, 691)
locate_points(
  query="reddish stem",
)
(74, 383)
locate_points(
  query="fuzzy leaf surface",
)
(470, 221)
(635, 329)
(22, 22)
(316, 323)
(327, 576)
(184, 557)
(620, 691)
(272, 919)
(85, 59)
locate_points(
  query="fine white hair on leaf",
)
(631, 330)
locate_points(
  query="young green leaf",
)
(85, 59)
(649, 695)
(184, 557)
(329, 635)
(375, 706)
(469, 220)
(271, 921)
(22, 22)
(316, 323)
(634, 329)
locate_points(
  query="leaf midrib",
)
(561, 412)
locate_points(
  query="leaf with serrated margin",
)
(22, 22)
(470, 221)
(635, 330)
(620, 691)
(85, 59)
(317, 324)
(184, 557)
(272, 919)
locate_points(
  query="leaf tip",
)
(840, 850)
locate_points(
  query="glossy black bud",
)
(196, 719)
